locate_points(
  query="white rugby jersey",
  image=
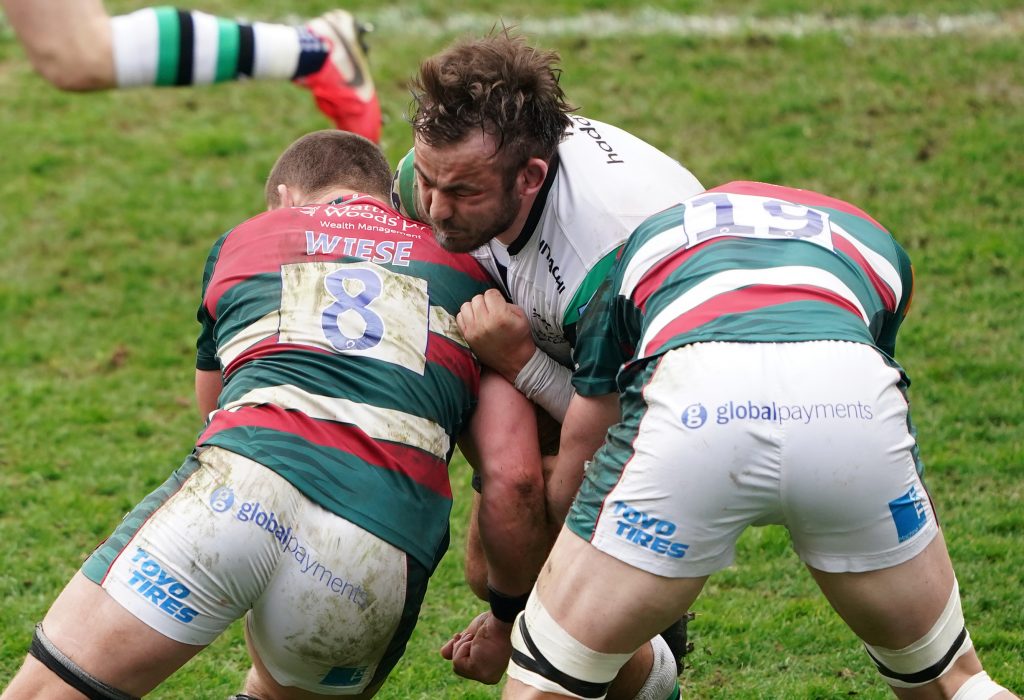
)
(603, 183)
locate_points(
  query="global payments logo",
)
(694, 416)
(222, 499)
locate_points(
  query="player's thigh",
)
(339, 610)
(606, 604)
(103, 639)
(895, 606)
(675, 483)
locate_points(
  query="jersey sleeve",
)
(602, 345)
(403, 188)
(206, 345)
(886, 338)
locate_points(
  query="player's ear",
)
(532, 175)
(285, 197)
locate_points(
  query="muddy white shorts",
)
(716, 437)
(330, 606)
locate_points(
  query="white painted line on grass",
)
(648, 21)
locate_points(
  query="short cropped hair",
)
(497, 84)
(325, 160)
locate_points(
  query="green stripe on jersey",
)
(227, 50)
(386, 503)
(595, 276)
(168, 45)
(360, 379)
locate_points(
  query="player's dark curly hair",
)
(498, 84)
(322, 161)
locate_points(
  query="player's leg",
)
(67, 41)
(587, 615)
(140, 606)
(862, 521)
(659, 510)
(89, 638)
(76, 45)
(910, 619)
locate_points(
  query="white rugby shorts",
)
(716, 437)
(329, 604)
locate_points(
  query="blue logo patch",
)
(908, 513)
(340, 677)
(694, 415)
(222, 499)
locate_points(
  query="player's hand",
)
(481, 652)
(498, 332)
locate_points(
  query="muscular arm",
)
(208, 386)
(501, 442)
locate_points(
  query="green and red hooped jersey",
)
(344, 371)
(745, 262)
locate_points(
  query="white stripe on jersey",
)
(205, 45)
(882, 267)
(651, 253)
(249, 336)
(135, 43)
(443, 323)
(379, 423)
(731, 280)
(275, 51)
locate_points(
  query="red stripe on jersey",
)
(887, 295)
(456, 359)
(752, 298)
(264, 243)
(656, 276)
(792, 194)
(422, 467)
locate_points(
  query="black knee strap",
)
(70, 672)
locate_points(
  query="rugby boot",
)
(343, 88)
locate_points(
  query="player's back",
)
(344, 370)
(749, 262)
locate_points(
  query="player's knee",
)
(71, 673)
(545, 656)
(930, 657)
(69, 65)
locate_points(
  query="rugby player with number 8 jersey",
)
(738, 369)
(316, 502)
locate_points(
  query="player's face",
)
(466, 194)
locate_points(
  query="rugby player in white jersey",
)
(544, 199)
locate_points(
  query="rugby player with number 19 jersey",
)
(739, 369)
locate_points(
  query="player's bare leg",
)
(104, 640)
(896, 607)
(67, 41)
(604, 604)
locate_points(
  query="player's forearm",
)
(547, 383)
(583, 432)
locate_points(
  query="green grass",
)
(109, 202)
